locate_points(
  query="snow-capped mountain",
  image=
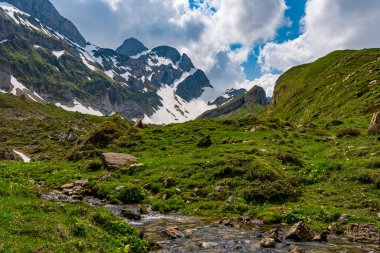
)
(44, 58)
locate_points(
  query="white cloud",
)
(328, 26)
(266, 81)
(204, 33)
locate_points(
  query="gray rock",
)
(208, 245)
(343, 219)
(300, 232)
(268, 242)
(336, 229)
(322, 237)
(173, 233)
(117, 160)
(295, 249)
(130, 214)
(366, 233)
(374, 126)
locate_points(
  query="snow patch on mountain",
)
(58, 54)
(78, 107)
(3, 41)
(140, 54)
(19, 89)
(175, 109)
(85, 62)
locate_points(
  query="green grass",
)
(339, 85)
(32, 224)
(285, 166)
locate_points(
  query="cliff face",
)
(256, 95)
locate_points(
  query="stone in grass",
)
(374, 126)
(205, 142)
(117, 160)
(300, 232)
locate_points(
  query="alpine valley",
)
(46, 59)
(202, 170)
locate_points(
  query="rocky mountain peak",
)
(167, 52)
(131, 47)
(47, 14)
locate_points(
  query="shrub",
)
(136, 245)
(79, 229)
(276, 191)
(131, 194)
(93, 165)
(350, 131)
(289, 157)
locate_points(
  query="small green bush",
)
(93, 165)
(79, 229)
(277, 191)
(131, 194)
(349, 131)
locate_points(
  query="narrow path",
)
(23, 156)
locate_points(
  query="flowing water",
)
(207, 235)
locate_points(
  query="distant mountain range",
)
(44, 58)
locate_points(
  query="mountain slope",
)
(250, 100)
(340, 85)
(160, 84)
(44, 11)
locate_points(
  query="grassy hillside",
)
(342, 84)
(311, 159)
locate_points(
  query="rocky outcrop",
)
(254, 96)
(47, 14)
(300, 232)
(366, 233)
(228, 96)
(117, 160)
(374, 126)
(131, 47)
(193, 86)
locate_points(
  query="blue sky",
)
(239, 43)
(295, 12)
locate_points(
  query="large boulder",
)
(366, 233)
(173, 233)
(374, 126)
(300, 232)
(117, 160)
(130, 214)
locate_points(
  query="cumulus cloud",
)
(328, 26)
(266, 81)
(205, 32)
